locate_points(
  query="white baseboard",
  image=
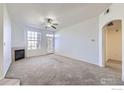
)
(77, 59)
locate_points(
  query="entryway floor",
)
(114, 65)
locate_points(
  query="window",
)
(50, 42)
(49, 35)
(33, 40)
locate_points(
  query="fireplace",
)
(19, 54)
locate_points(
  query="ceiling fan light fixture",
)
(48, 25)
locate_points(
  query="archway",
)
(112, 45)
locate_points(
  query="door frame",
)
(101, 45)
(104, 41)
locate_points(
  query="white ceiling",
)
(64, 13)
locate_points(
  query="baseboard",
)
(39, 55)
(77, 59)
(113, 60)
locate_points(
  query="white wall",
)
(79, 41)
(7, 41)
(1, 41)
(18, 35)
(114, 14)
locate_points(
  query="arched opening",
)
(112, 45)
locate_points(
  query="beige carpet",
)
(9, 82)
(59, 70)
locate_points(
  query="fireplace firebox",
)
(19, 54)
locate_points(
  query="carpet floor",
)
(59, 70)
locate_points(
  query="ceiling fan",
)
(50, 23)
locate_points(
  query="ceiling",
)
(66, 14)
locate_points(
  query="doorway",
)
(112, 45)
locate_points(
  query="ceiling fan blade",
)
(53, 27)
